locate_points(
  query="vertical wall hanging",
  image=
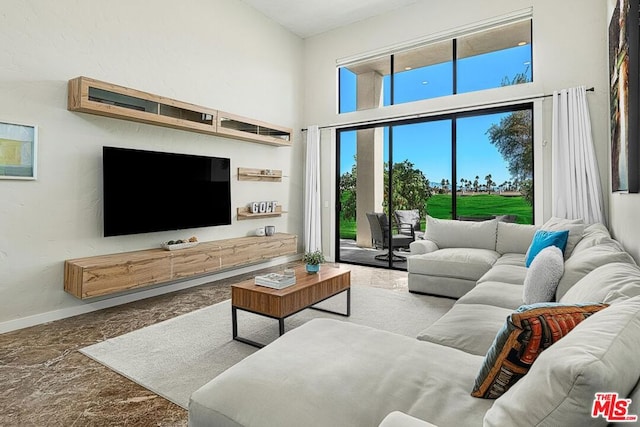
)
(624, 35)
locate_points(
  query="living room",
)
(227, 55)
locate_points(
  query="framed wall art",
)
(624, 41)
(18, 150)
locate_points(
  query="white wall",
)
(623, 207)
(567, 52)
(216, 53)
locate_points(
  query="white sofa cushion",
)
(543, 276)
(597, 356)
(587, 260)
(467, 327)
(511, 258)
(594, 234)
(400, 419)
(448, 233)
(422, 247)
(497, 294)
(608, 284)
(462, 263)
(514, 238)
(333, 373)
(505, 273)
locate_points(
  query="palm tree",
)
(489, 182)
(475, 184)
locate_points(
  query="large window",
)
(481, 60)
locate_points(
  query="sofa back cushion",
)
(514, 238)
(599, 355)
(608, 284)
(574, 226)
(448, 233)
(594, 234)
(587, 260)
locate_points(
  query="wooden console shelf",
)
(107, 274)
(106, 99)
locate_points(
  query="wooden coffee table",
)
(279, 304)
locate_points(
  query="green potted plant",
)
(313, 261)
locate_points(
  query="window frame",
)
(453, 37)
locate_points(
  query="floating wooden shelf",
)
(247, 174)
(252, 130)
(106, 99)
(107, 274)
(245, 213)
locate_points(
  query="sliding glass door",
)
(469, 166)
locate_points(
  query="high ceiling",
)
(310, 17)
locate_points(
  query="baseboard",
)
(89, 306)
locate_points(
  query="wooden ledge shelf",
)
(114, 273)
(248, 174)
(245, 213)
(107, 99)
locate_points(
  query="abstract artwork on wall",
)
(18, 149)
(624, 82)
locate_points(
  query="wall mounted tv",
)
(147, 191)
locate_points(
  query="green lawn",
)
(439, 206)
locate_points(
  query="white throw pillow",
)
(543, 276)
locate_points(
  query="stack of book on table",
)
(275, 280)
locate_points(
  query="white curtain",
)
(577, 191)
(312, 226)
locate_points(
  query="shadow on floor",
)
(350, 252)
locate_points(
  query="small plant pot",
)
(313, 268)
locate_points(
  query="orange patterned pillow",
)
(526, 333)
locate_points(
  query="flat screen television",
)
(147, 191)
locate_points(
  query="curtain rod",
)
(431, 113)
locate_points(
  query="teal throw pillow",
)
(543, 239)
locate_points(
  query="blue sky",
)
(428, 145)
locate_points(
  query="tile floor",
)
(45, 381)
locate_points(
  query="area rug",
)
(175, 357)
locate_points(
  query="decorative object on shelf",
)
(18, 149)
(266, 175)
(263, 207)
(270, 230)
(275, 280)
(245, 212)
(172, 245)
(260, 231)
(289, 272)
(313, 261)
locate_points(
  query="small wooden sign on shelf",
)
(245, 213)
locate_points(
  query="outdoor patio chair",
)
(408, 222)
(379, 224)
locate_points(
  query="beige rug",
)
(175, 357)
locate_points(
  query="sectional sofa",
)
(333, 373)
